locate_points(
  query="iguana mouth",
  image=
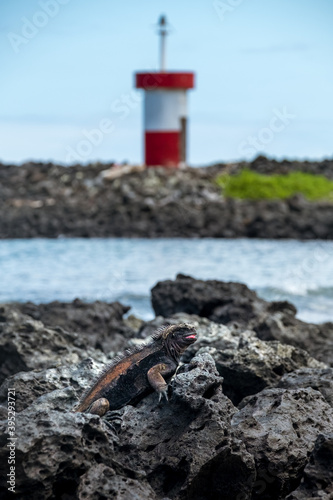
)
(193, 336)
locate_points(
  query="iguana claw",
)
(165, 394)
(113, 419)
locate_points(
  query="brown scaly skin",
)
(138, 372)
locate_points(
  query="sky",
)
(263, 70)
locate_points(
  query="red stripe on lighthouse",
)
(162, 148)
(174, 80)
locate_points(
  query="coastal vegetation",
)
(254, 186)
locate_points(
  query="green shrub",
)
(253, 186)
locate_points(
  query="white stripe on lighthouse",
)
(163, 109)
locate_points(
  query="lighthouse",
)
(165, 110)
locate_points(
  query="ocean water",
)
(124, 269)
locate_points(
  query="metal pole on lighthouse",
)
(163, 32)
(165, 110)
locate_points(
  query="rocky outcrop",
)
(27, 344)
(319, 379)
(102, 481)
(246, 363)
(246, 418)
(219, 301)
(53, 450)
(30, 385)
(198, 417)
(279, 428)
(154, 452)
(235, 304)
(100, 323)
(100, 200)
(317, 481)
(315, 339)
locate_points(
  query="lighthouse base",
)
(163, 148)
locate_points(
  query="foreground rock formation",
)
(247, 418)
(236, 305)
(102, 200)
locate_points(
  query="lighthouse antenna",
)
(163, 31)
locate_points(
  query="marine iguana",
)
(134, 374)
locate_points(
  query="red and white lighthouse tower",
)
(165, 111)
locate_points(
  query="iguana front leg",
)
(156, 380)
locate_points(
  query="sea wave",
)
(303, 290)
(126, 269)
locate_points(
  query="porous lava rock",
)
(196, 446)
(102, 200)
(317, 480)
(30, 385)
(235, 304)
(26, 344)
(196, 418)
(102, 482)
(246, 363)
(320, 379)
(216, 300)
(173, 449)
(100, 323)
(279, 428)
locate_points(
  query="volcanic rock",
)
(27, 344)
(102, 482)
(246, 363)
(219, 301)
(279, 428)
(155, 451)
(317, 481)
(53, 450)
(197, 446)
(47, 200)
(280, 325)
(100, 323)
(319, 379)
(235, 304)
(30, 385)
(163, 441)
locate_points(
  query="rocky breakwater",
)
(103, 200)
(247, 418)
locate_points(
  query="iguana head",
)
(177, 338)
